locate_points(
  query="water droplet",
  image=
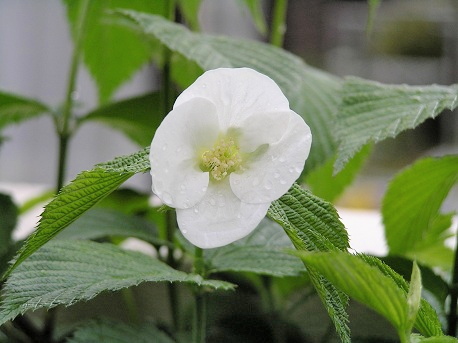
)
(255, 181)
(164, 147)
(167, 198)
(268, 185)
(184, 231)
(291, 169)
(204, 85)
(178, 149)
(239, 216)
(204, 189)
(166, 170)
(281, 159)
(283, 182)
(212, 201)
(276, 175)
(183, 187)
(298, 169)
(196, 210)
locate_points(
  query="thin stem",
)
(200, 312)
(278, 28)
(63, 129)
(453, 290)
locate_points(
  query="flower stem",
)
(200, 311)
(278, 28)
(453, 290)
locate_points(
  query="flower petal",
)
(220, 218)
(272, 173)
(237, 93)
(177, 178)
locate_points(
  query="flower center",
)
(223, 159)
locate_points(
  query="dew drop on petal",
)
(184, 231)
(283, 182)
(268, 185)
(204, 189)
(167, 198)
(276, 175)
(212, 201)
(281, 159)
(298, 169)
(196, 210)
(291, 169)
(164, 147)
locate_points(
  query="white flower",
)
(230, 146)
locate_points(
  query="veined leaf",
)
(65, 272)
(261, 253)
(371, 112)
(111, 331)
(327, 186)
(80, 195)
(412, 203)
(97, 223)
(413, 296)
(427, 322)
(312, 93)
(364, 283)
(111, 52)
(313, 224)
(415, 338)
(136, 117)
(14, 109)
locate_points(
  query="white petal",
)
(262, 128)
(237, 93)
(271, 174)
(220, 218)
(177, 179)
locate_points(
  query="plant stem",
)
(278, 28)
(200, 312)
(453, 290)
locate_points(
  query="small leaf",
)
(65, 272)
(415, 338)
(137, 117)
(414, 296)
(111, 52)
(412, 203)
(260, 253)
(190, 12)
(327, 186)
(313, 224)
(15, 109)
(364, 283)
(8, 218)
(80, 195)
(111, 331)
(98, 223)
(371, 112)
(259, 20)
(312, 93)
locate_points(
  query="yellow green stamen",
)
(223, 159)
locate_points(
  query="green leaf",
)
(414, 296)
(415, 338)
(138, 117)
(65, 272)
(364, 283)
(259, 20)
(412, 203)
(313, 224)
(312, 93)
(427, 322)
(371, 112)
(98, 223)
(190, 11)
(327, 186)
(15, 109)
(112, 331)
(80, 195)
(260, 253)
(8, 218)
(111, 52)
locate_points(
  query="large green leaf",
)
(372, 112)
(411, 206)
(312, 93)
(427, 322)
(80, 195)
(262, 252)
(313, 224)
(65, 272)
(98, 223)
(14, 109)
(111, 331)
(137, 117)
(111, 52)
(365, 284)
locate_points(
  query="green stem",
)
(453, 290)
(278, 28)
(200, 311)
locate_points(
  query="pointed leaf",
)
(415, 338)
(312, 93)
(412, 203)
(414, 296)
(80, 195)
(111, 331)
(15, 109)
(262, 252)
(65, 272)
(111, 52)
(313, 225)
(136, 117)
(372, 112)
